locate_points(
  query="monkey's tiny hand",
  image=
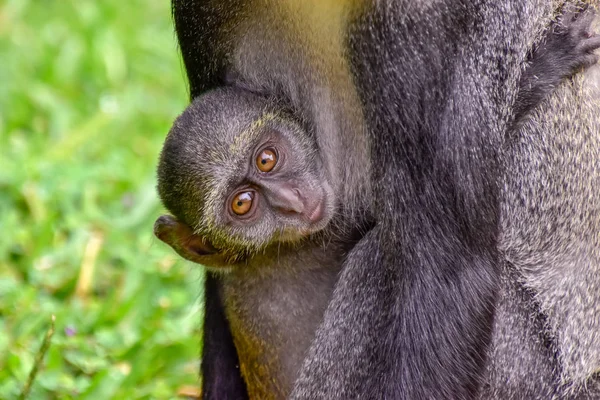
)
(182, 239)
(567, 48)
(574, 37)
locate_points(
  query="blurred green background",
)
(88, 90)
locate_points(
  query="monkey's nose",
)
(287, 200)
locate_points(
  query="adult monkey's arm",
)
(411, 315)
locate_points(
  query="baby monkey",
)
(251, 197)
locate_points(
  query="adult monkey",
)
(275, 295)
(436, 83)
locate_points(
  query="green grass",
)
(88, 90)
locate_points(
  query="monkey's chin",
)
(295, 234)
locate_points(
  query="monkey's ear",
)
(182, 239)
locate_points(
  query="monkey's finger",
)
(589, 60)
(589, 45)
(576, 24)
(572, 15)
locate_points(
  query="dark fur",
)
(411, 315)
(221, 378)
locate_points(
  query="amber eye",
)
(266, 160)
(242, 203)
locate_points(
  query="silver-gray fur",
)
(547, 330)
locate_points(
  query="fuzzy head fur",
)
(206, 156)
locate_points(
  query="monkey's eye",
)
(242, 202)
(266, 160)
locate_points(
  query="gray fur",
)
(274, 305)
(271, 55)
(357, 321)
(551, 242)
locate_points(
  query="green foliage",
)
(88, 91)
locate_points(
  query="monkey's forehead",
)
(244, 141)
(237, 145)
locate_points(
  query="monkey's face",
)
(243, 176)
(278, 193)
